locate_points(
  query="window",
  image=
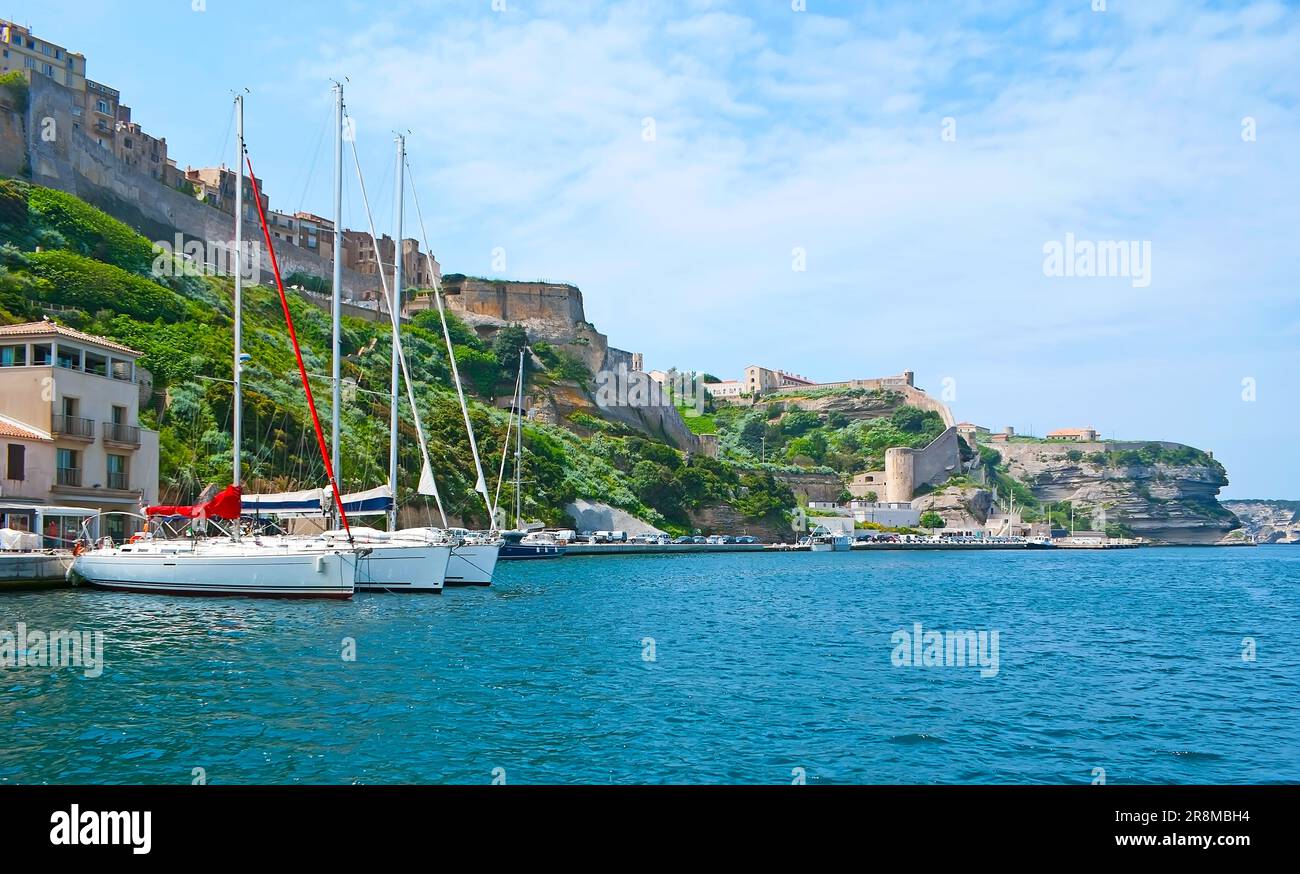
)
(13, 356)
(70, 406)
(102, 106)
(29, 63)
(117, 475)
(119, 415)
(47, 69)
(69, 467)
(69, 358)
(17, 469)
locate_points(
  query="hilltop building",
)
(1079, 435)
(216, 187)
(97, 109)
(70, 427)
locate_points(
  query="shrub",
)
(14, 86)
(91, 285)
(931, 519)
(89, 231)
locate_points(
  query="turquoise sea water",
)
(1130, 661)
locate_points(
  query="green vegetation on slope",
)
(98, 271)
(831, 440)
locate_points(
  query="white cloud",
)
(823, 132)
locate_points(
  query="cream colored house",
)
(70, 430)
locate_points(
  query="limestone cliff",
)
(1163, 491)
(960, 507)
(1268, 521)
(549, 311)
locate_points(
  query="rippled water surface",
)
(1129, 661)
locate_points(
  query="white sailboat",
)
(520, 544)
(473, 557)
(226, 565)
(393, 564)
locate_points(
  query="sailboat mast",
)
(394, 308)
(237, 403)
(337, 284)
(519, 446)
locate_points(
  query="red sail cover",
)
(224, 505)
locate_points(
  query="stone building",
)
(216, 187)
(359, 255)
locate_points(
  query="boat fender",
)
(77, 549)
(320, 564)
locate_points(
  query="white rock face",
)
(1268, 521)
(1173, 503)
(595, 516)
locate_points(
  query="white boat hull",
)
(247, 572)
(472, 564)
(403, 568)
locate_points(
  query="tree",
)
(931, 519)
(871, 497)
(506, 347)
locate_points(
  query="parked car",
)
(746, 538)
(698, 539)
(683, 540)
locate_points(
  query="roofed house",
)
(70, 424)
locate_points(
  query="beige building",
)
(70, 426)
(1079, 435)
(284, 227)
(216, 187)
(761, 379)
(22, 51)
(728, 388)
(99, 113)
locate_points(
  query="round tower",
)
(899, 474)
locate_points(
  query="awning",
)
(311, 502)
(371, 503)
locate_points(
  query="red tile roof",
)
(46, 328)
(17, 430)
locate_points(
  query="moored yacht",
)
(822, 540)
(522, 546)
(230, 564)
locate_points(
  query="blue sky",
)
(819, 130)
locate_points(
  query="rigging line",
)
(395, 318)
(293, 336)
(480, 484)
(505, 450)
(311, 169)
(225, 140)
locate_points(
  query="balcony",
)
(69, 476)
(73, 427)
(122, 435)
(118, 481)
